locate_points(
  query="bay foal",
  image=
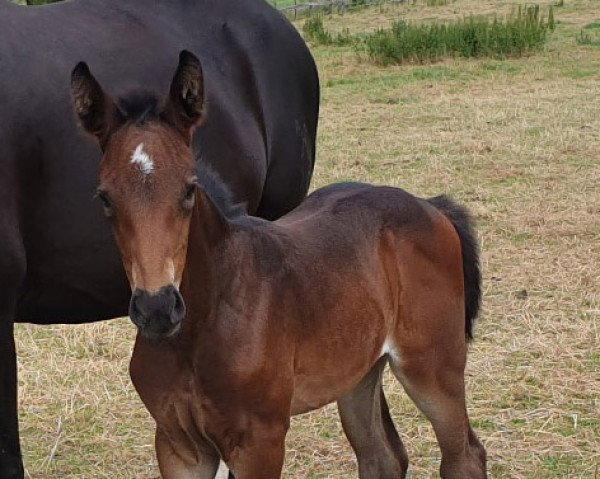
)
(244, 322)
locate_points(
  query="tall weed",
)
(521, 32)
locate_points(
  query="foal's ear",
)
(185, 108)
(97, 113)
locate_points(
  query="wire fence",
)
(296, 7)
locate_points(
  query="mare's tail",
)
(463, 223)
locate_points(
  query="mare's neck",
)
(6, 4)
(8, 19)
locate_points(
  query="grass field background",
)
(518, 142)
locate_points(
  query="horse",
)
(58, 259)
(243, 322)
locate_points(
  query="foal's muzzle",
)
(157, 314)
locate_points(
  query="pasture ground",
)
(518, 142)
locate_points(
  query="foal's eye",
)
(106, 203)
(189, 196)
(190, 192)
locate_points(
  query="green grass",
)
(436, 3)
(522, 32)
(284, 3)
(588, 38)
(315, 32)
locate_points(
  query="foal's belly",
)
(328, 381)
(341, 347)
(311, 394)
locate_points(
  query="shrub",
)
(315, 32)
(523, 31)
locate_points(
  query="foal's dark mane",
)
(218, 191)
(142, 107)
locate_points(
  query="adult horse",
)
(58, 260)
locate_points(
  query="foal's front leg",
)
(174, 465)
(261, 454)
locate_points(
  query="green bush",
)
(315, 32)
(523, 31)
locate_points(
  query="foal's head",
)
(147, 184)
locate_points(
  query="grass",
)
(435, 3)
(522, 32)
(585, 38)
(518, 142)
(281, 3)
(472, 37)
(315, 32)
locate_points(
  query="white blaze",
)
(142, 160)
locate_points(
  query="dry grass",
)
(519, 143)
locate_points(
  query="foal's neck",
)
(208, 225)
(208, 234)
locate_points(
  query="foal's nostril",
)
(134, 312)
(178, 312)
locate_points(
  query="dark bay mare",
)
(58, 260)
(243, 322)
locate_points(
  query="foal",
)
(243, 322)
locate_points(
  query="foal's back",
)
(347, 220)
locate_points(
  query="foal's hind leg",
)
(434, 379)
(367, 423)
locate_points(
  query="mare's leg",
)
(12, 271)
(367, 423)
(11, 466)
(432, 374)
(174, 466)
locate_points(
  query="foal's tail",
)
(463, 223)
